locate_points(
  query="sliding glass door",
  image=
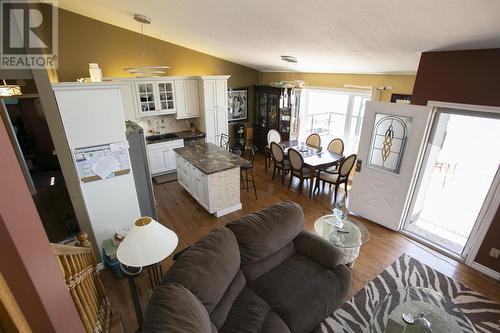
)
(461, 161)
(333, 114)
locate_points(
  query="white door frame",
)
(491, 202)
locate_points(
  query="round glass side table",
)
(418, 309)
(348, 239)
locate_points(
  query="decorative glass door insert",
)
(388, 142)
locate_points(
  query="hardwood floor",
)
(180, 212)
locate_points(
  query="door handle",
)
(359, 163)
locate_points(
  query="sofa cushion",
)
(219, 314)
(175, 309)
(285, 279)
(274, 324)
(208, 267)
(262, 233)
(251, 314)
(318, 249)
(257, 268)
(303, 292)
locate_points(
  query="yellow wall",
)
(83, 40)
(401, 84)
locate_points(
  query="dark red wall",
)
(468, 77)
(26, 259)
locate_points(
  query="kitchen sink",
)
(161, 137)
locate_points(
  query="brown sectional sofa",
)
(261, 273)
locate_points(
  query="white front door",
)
(390, 148)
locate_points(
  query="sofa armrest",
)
(317, 249)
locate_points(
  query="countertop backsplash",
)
(164, 124)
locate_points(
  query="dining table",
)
(315, 158)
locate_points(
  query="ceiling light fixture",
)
(7, 90)
(288, 84)
(145, 70)
(288, 58)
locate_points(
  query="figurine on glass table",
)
(340, 212)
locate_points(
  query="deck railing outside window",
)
(333, 114)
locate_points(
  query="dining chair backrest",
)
(277, 152)
(296, 159)
(224, 141)
(273, 136)
(336, 146)
(346, 165)
(314, 140)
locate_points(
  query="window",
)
(333, 114)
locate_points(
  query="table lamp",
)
(145, 246)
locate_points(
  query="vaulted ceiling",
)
(328, 36)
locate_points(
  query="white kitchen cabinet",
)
(213, 99)
(184, 174)
(197, 185)
(186, 97)
(155, 97)
(210, 122)
(162, 156)
(221, 93)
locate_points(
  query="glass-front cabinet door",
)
(261, 108)
(155, 97)
(272, 115)
(147, 97)
(166, 96)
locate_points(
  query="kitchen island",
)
(211, 175)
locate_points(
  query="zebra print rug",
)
(355, 315)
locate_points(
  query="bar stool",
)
(244, 169)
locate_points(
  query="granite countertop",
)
(209, 158)
(184, 135)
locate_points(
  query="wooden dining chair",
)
(246, 171)
(281, 162)
(298, 170)
(336, 146)
(272, 136)
(314, 140)
(338, 177)
(224, 141)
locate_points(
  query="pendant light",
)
(145, 70)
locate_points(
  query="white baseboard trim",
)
(99, 267)
(485, 270)
(228, 210)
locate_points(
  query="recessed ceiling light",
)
(288, 58)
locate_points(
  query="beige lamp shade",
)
(147, 243)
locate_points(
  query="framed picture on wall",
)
(237, 102)
(400, 98)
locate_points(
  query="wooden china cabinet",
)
(272, 111)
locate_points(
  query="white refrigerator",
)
(92, 116)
